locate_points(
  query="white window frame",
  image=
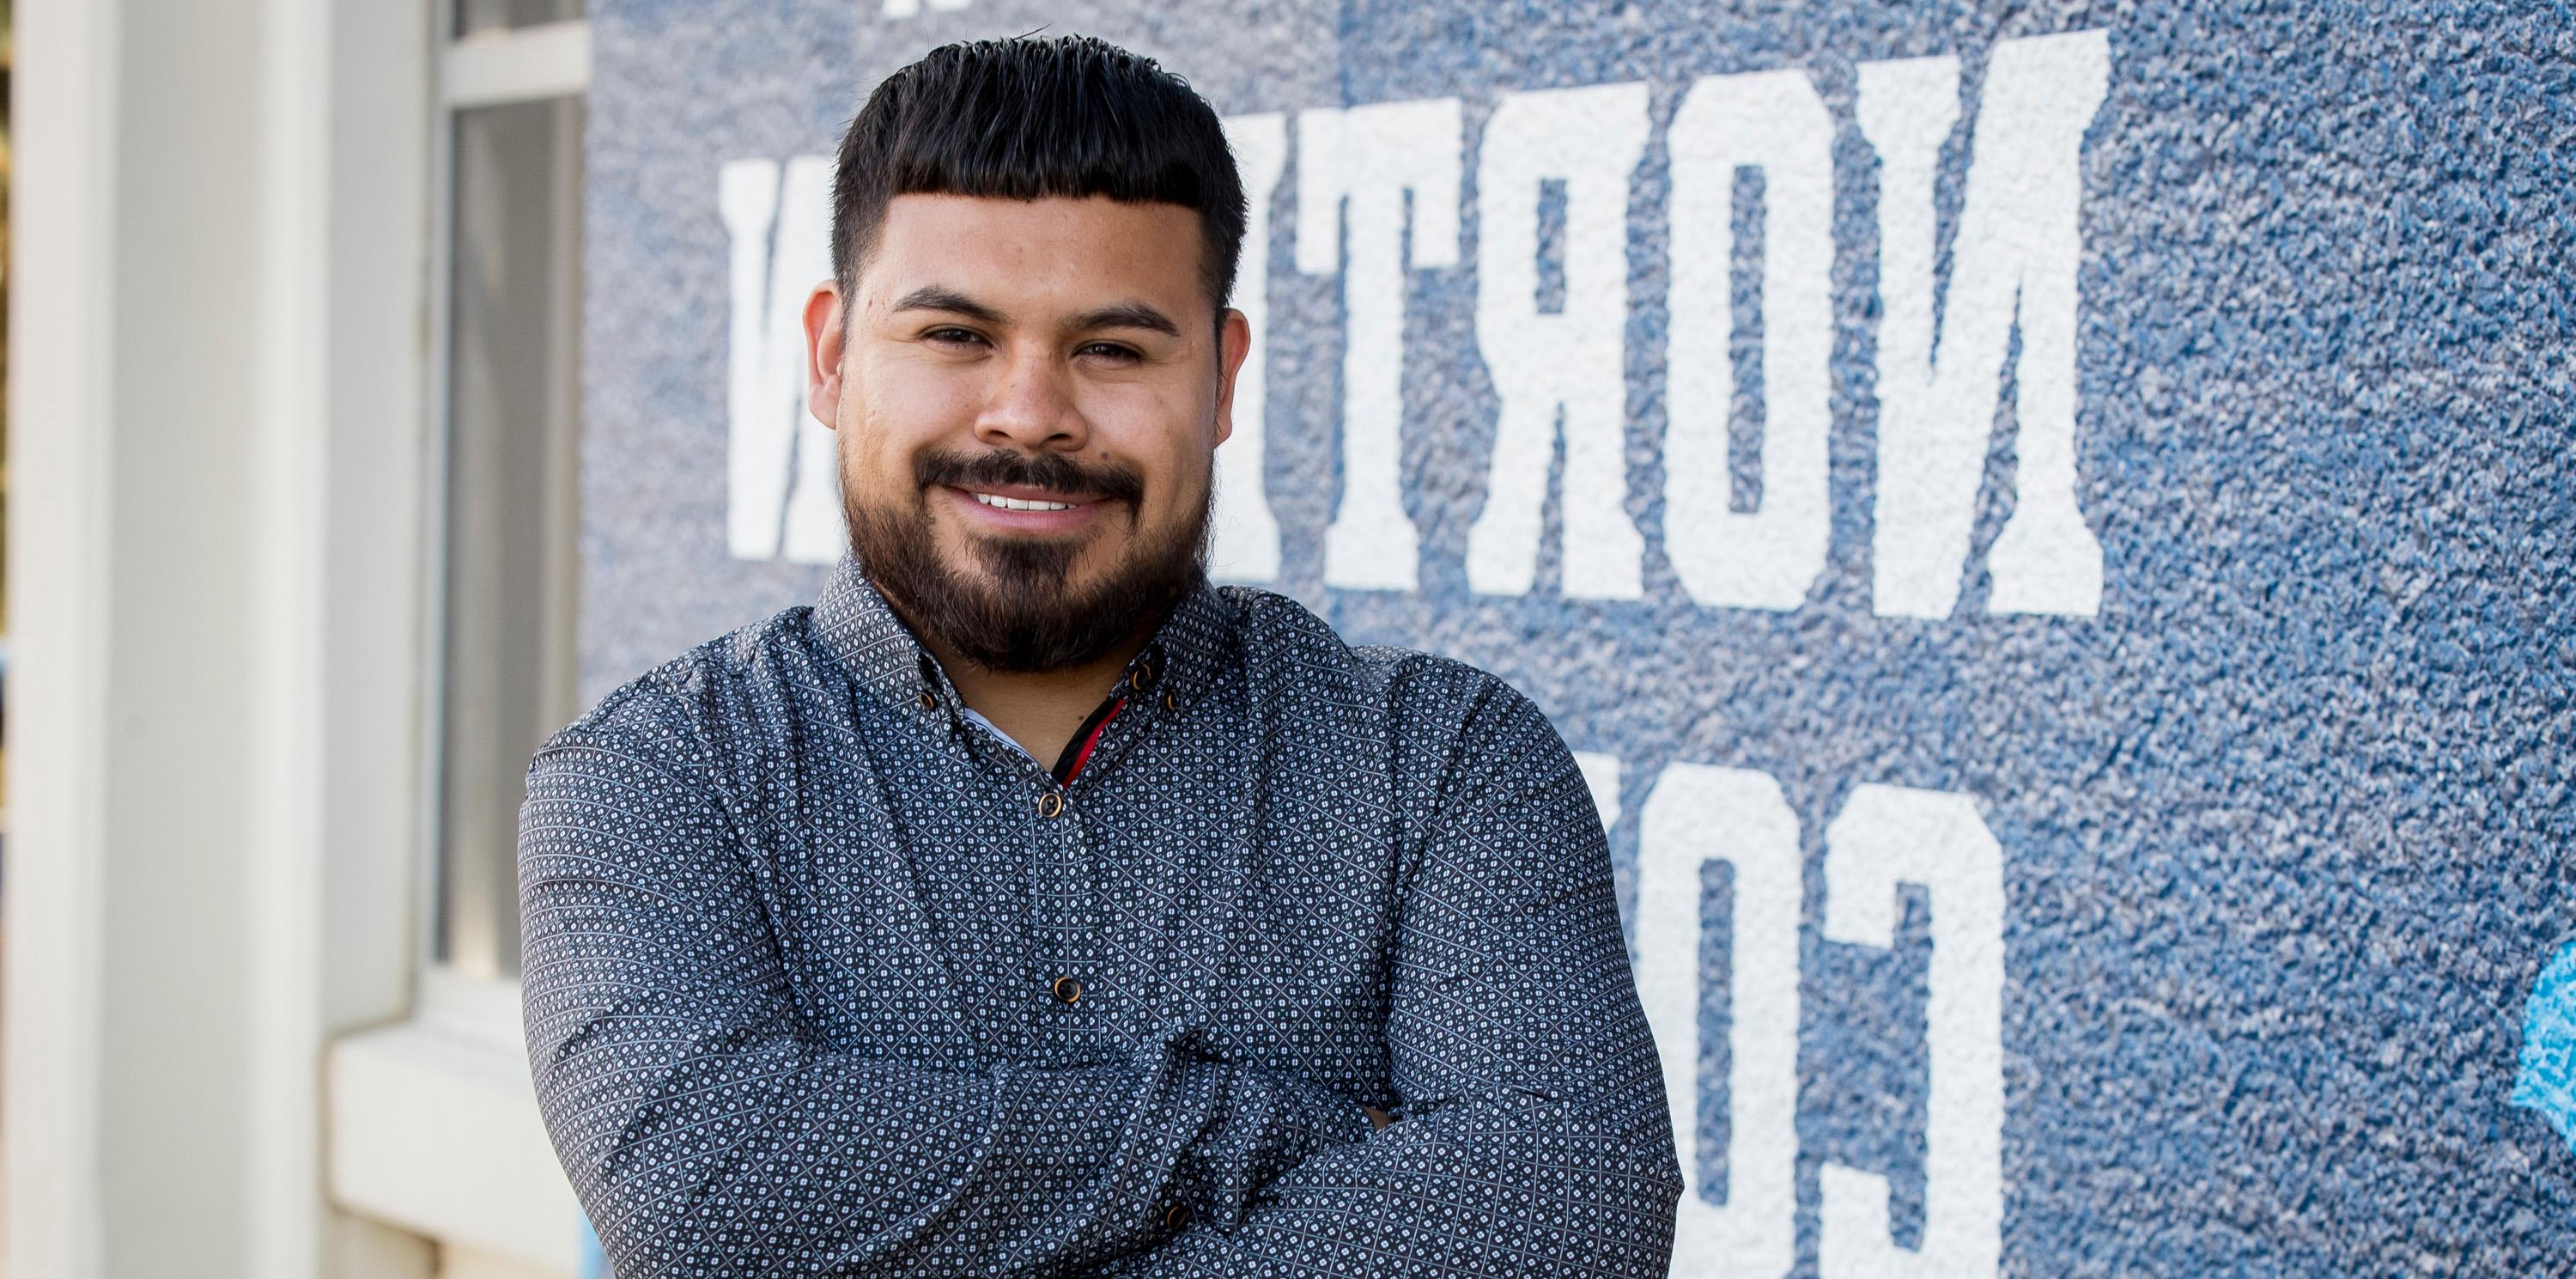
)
(495, 67)
(433, 1121)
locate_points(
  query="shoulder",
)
(652, 799)
(698, 714)
(1424, 699)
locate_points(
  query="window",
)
(473, 17)
(506, 393)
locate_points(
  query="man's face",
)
(1028, 396)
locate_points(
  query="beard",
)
(1016, 608)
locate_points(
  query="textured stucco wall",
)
(2282, 820)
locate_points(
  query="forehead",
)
(1076, 250)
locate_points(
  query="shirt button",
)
(1176, 1216)
(1050, 804)
(1068, 991)
(1142, 677)
(1170, 701)
(929, 700)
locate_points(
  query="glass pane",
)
(488, 15)
(513, 489)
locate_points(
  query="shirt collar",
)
(1186, 656)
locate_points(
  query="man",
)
(1028, 905)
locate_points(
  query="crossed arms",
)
(708, 1131)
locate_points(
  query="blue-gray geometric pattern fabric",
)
(824, 978)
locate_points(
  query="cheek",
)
(924, 393)
(1177, 474)
(892, 414)
(1166, 433)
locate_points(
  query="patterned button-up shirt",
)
(824, 977)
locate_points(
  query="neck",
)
(1041, 710)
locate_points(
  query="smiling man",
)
(1027, 905)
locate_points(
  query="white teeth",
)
(1019, 504)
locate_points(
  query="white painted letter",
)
(1770, 556)
(782, 485)
(762, 436)
(1699, 813)
(1373, 157)
(2018, 246)
(1601, 777)
(1246, 537)
(1572, 362)
(1889, 835)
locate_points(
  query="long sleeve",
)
(709, 1132)
(1535, 1139)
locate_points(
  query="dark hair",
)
(1028, 118)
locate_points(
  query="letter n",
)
(2012, 265)
(782, 485)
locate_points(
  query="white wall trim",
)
(434, 1127)
(210, 734)
(62, 281)
(288, 618)
(258, 1144)
(521, 64)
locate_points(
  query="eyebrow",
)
(1117, 315)
(1124, 315)
(933, 297)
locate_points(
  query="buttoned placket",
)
(1064, 892)
(1066, 902)
(1077, 991)
(1145, 697)
(1066, 896)
(1062, 897)
(1082, 984)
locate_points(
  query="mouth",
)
(1017, 503)
(1017, 509)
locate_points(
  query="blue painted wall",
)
(2284, 822)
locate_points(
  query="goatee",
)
(1021, 612)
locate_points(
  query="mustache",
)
(1003, 468)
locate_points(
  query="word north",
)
(1377, 196)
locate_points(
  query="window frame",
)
(433, 1125)
(493, 67)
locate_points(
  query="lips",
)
(1024, 511)
(1025, 497)
(1019, 504)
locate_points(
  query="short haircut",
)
(1029, 118)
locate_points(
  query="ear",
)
(823, 349)
(1234, 342)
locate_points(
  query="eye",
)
(1110, 351)
(951, 335)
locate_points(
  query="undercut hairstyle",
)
(1027, 119)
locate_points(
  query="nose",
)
(1031, 405)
